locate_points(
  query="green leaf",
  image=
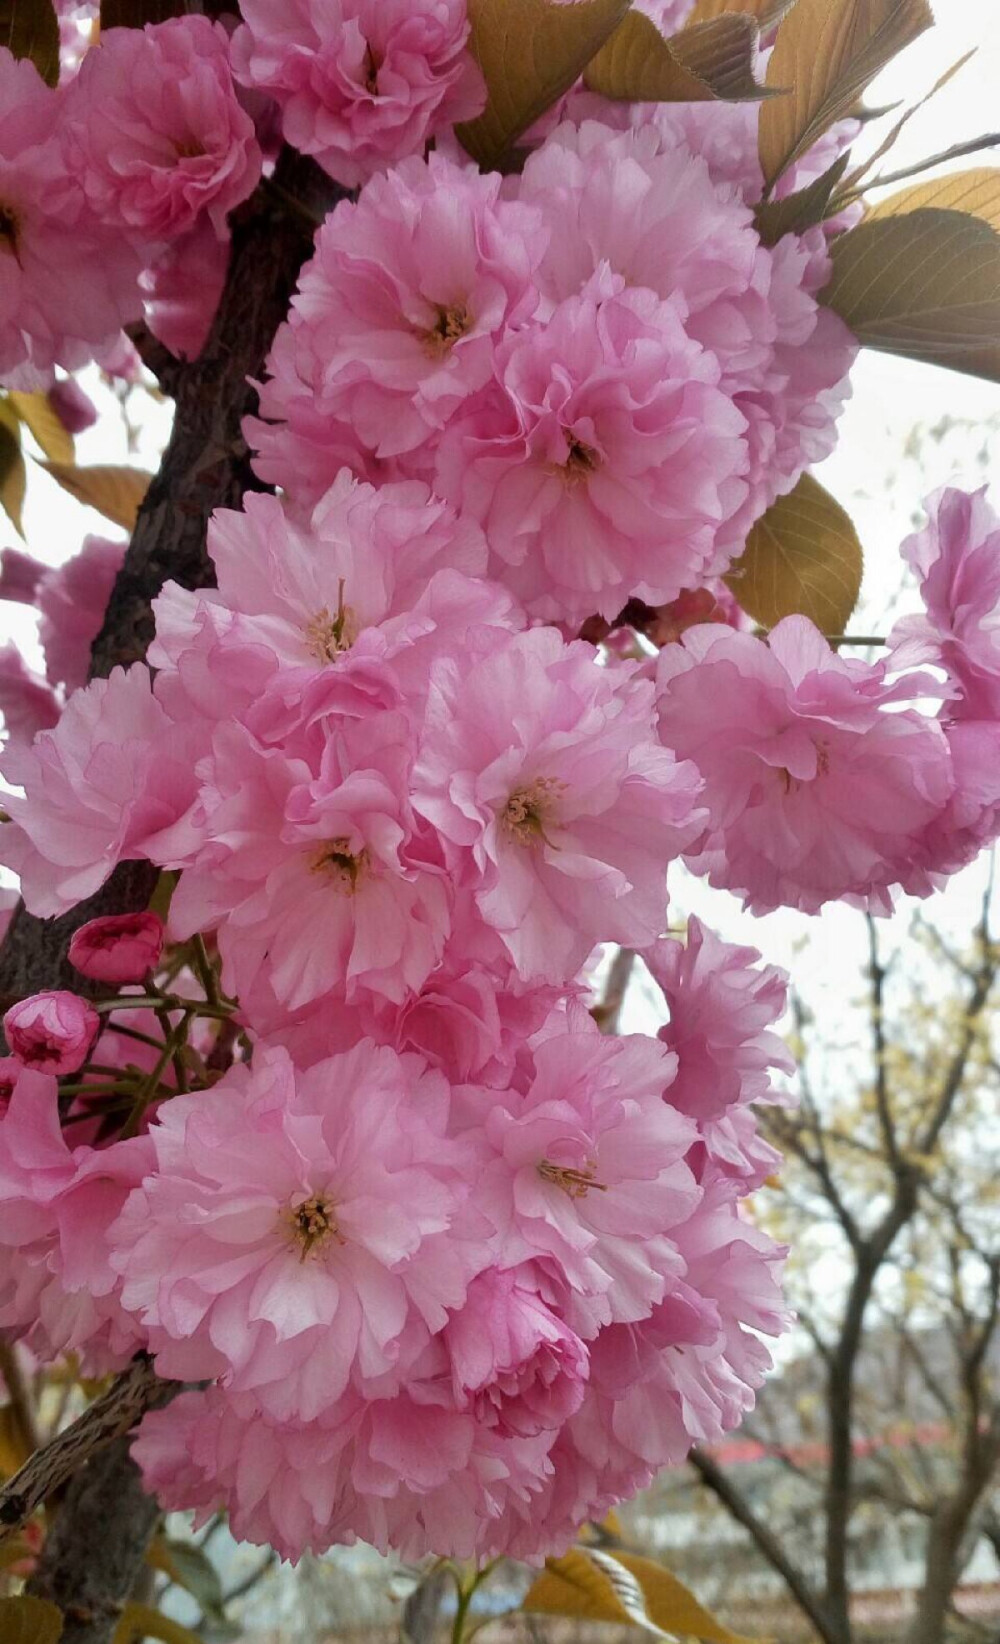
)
(190, 1568)
(138, 1621)
(27, 1620)
(13, 474)
(668, 1604)
(801, 210)
(115, 492)
(710, 62)
(803, 556)
(37, 414)
(827, 51)
(925, 284)
(30, 28)
(530, 52)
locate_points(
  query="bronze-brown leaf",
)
(530, 52)
(713, 61)
(827, 51)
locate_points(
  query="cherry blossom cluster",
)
(330, 1131)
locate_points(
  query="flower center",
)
(338, 862)
(328, 635)
(532, 809)
(451, 325)
(313, 1224)
(9, 230)
(191, 149)
(370, 65)
(576, 1184)
(581, 460)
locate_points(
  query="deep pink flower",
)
(110, 774)
(513, 1360)
(294, 1236)
(51, 1032)
(67, 285)
(722, 1004)
(121, 947)
(155, 133)
(75, 409)
(603, 460)
(72, 601)
(397, 316)
(558, 813)
(360, 83)
(814, 791)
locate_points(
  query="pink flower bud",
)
(123, 947)
(74, 408)
(51, 1032)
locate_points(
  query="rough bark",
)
(95, 1553)
(96, 1547)
(204, 467)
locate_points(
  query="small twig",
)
(18, 1394)
(134, 1392)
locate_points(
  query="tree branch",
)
(91, 1560)
(767, 1543)
(134, 1392)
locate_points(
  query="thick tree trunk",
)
(95, 1552)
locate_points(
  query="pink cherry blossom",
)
(813, 790)
(49, 315)
(58, 1287)
(360, 83)
(292, 1238)
(309, 859)
(155, 133)
(513, 1361)
(72, 601)
(20, 575)
(642, 201)
(121, 947)
(722, 1005)
(28, 704)
(603, 460)
(51, 1032)
(182, 286)
(111, 773)
(397, 315)
(588, 1171)
(75, 409)
(371, 577)
(956, 558)
(397, 1473)
(557, 811)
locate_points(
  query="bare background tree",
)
(889, 1424)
